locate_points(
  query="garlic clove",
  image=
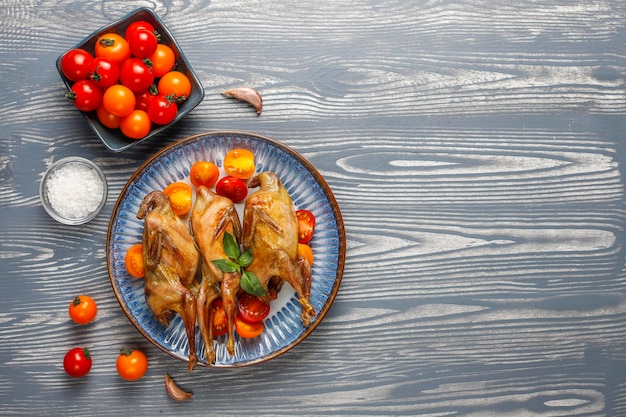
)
(247, 94)
(175, 391)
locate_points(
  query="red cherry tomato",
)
(306, 225)
(143, 100)
(252, 308)
(75, 64)
(104, 72)
(138, 24)
(142, 43)
(85, 95)
(162, 110)
(246, 329)
(220, 322)
(233, 188)
(77, 362)
(136, 74)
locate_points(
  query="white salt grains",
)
(74, 190)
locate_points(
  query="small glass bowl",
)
(52, 184)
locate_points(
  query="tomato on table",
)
(131, 364)
(142, 42)
(204, 173)
(119, 100)
(239, 163)
(112, 46)
(174, 83)
(136, 74)
(306, 225)
(104, 72)
(247, 329)
(85, 95)
(233, 188)
(162, 110)
(133, 261)
(180, 195)
(163, 60)
(83, 309)
(136, 125)
(220, 321)
(77, 362)
(75, 64)
(252, 309)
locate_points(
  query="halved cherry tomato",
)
(204, 173)
(112, 46)
(131, 364)
(75, 64)
(220, 322)
(252, 309)
(233, 188)
(163, 60)
(239, 163)
(119, 100)
(133, 261)
(180, 194)
(246, 329)
(83, 309)
(107, 118)
(306, 225)
(136, 125)
(306, 252)
(175, 83)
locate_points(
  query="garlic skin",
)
(175, 391)
(247, 94)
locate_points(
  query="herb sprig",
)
(237, 262)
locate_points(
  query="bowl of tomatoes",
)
(130, 80)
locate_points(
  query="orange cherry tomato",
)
(83, 309)
(220, 322)
(131, 364)
(119, 100)
(204, 173)
(247, 329)
(112, 46)
(163, 60)
(306, 225)
(180, 194)
(133, 261)
(306, 252)
(239, 163)
(136, 125)
(107, 118)
(174, 83)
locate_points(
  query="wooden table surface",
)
(476, 149)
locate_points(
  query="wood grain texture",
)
(476, 149)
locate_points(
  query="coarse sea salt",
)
(74, 190)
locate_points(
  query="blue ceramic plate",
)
(113, 139)
(283, 327)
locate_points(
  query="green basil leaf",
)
(250, 284)
(245, 259)
(226, 265)
(231, 248)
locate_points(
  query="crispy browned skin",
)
(211, 217)
(270, 230)
(171, 261)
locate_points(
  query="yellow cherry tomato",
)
(239, 163)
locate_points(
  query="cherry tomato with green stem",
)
(162, 110)
(131, 364)
(77, 362)
(138, 24)
(136, 74)
(83, 309)
(85, 95)
(142, 43)
(75, 64)
(104, 72)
